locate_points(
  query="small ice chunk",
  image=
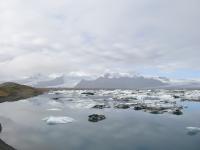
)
(81, 104)
(52, 120)
(193, 130)
(54, 109)
(24, 100)
(55, 103)
(51, 93)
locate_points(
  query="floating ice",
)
(54, 109)
(151, 98)
(58, 92)
(51, 93)
(55, 103)
(166, 97)
(193, 130)
(24, 101)
(147, 100)
(82, 104)
(192, 95)
(52, 120)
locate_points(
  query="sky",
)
(91, 37)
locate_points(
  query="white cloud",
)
(91, 36)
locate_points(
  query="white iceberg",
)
(192, 95)
(52, 120)
(59, 92)
(82, 104)
(55, 103)
(54, 109)
(193, 130)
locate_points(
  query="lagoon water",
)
(127, 129)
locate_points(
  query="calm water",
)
(24, 129)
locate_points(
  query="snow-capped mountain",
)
(52, 80)
(43, 81)
(40, 80)
(126, 81)
(106, 81)
(136, 82)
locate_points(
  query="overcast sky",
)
(90, 37)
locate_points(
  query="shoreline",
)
(3, 145)
(10, 92)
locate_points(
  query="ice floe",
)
(52, 120)
(193, 95)
(153, 101)
(55, 103)
(82, 105)
(193, 130)
(54, 109)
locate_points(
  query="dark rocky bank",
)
(10, 91)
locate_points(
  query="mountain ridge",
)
(73, 81)
(135, 82)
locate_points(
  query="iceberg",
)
(54, 109)
(193, 130)
(193, 95)
(81, 104)
(52, 120)
(55, 103)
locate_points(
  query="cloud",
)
(93, 36)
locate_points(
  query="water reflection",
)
(122, 129)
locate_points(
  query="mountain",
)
(183, 85)
(10, 91)
(107, 81)
(136, 82)
(42, 81)
(51, 81)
